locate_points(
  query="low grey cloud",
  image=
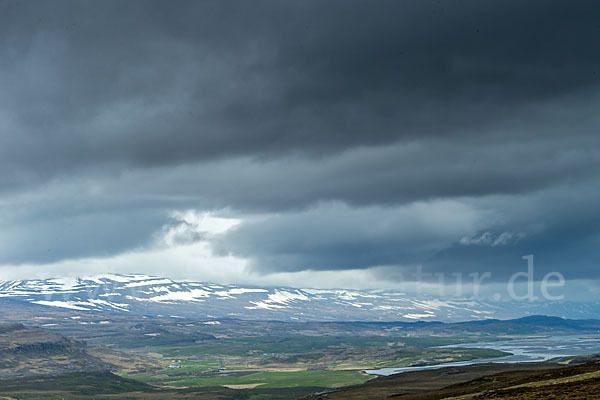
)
(493, 240)
(334, 236)
(470, 235)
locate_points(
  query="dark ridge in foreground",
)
(77, 383)
(496, 381)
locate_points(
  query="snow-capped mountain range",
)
(148, 295)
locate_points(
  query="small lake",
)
(522, 350)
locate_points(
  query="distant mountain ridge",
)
(149, 295)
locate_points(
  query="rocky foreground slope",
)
(485, 381)
(31, 351)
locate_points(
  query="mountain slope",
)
(147, 295)
(31, 351)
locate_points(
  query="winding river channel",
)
(522, 350)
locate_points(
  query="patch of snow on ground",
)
(418, 316)
(234, 291)
(150, 282)
(192, 295)
(61, 304)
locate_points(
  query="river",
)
(522, 350)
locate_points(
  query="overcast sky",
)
(321, 143)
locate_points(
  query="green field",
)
(244, 360)
(324, 361)
(328, 379)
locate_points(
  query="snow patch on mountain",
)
(151, 295)
(61, 304)
(148, 283)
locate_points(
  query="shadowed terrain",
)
(496, 381)
(31, 351)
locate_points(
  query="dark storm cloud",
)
(63, 221)
(346, 124)
(334, 236)
(385, 176)
(491, 234)
(147, 83)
